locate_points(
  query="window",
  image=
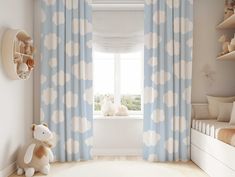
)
(120, 77)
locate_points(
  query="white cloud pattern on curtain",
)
(167, 79)
(66, 76)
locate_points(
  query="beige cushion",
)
(214, 104)
(232, 119)
(225, 110)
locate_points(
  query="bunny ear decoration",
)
(33, 127)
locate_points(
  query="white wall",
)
(118, 136)
(16, 97)
(207, 14)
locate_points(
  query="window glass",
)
(131, 80)
(126, 69)
(103, 82)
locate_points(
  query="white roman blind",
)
(118, 31)
(117, 1)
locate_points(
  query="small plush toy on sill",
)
(36, 156)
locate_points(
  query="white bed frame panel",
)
(216, 158)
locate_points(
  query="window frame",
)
(117, 85)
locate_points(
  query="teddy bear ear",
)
(45, 124)
(33, 127)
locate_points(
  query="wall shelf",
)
(227, 57)
(229, 23)
(17, 54)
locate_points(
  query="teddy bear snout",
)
(48, 135)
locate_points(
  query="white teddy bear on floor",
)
(37, 155)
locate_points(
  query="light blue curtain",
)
(167, 79)
(66, 76)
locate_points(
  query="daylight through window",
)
(120, 77)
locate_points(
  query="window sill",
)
(133, 117)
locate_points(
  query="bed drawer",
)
(215, 148)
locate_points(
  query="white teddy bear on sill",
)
(108, 108)
(37, 155)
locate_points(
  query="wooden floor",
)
(120, 166)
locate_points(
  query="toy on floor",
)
(36, 156)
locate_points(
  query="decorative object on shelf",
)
(29, 49)
(229, 8)
(23, 67)
(225, 43)
(108, 108)
(121, 111)
(231, 46)
(22, 47)
(17, 54)
(23, 70)
(30, 63)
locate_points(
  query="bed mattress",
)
(210, 127)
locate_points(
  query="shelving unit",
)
(17, 54)
(227, 57)
(229, 23)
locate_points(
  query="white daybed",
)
(213, 156)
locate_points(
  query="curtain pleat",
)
(66, 76)
(167, 79)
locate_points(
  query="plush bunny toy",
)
(37, 155)
(108, 108)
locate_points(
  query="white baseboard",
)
(117, 152)
(8, 170)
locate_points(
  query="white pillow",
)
(225, 110)
(214, 104)
(232, 119)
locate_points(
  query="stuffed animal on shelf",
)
(225, 43)
(122, 111)
(29, 49)
(17, 58)
(231, 46)
(17, 44)
(22, 47)
(108, 108)
(30, 63)
(37, 155)
(229, 8)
